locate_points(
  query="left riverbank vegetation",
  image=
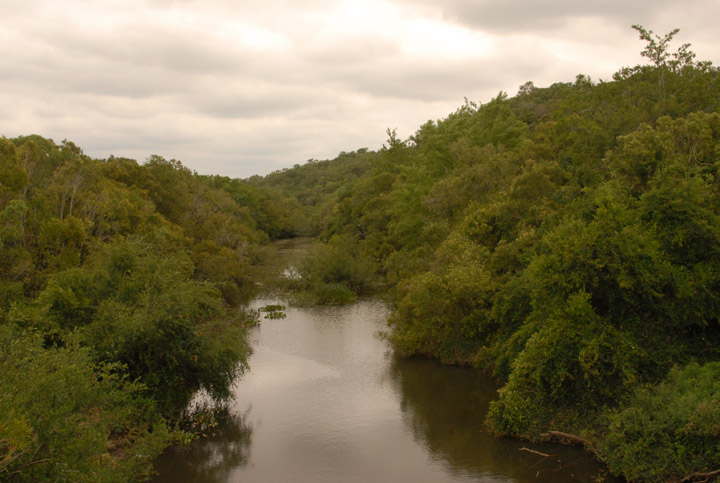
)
(567, 241)
(120, 297)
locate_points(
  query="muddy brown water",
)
(326, 400)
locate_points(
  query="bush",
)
(325, 294)
(141, 310)
(669, 430)
(338, 263)
(72, 420)
(573, 364)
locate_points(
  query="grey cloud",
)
(543, 15)
(142, 47)
(251, 102)
(439, 80)
(137, 61)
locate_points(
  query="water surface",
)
(326, 401)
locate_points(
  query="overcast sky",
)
(243, 87)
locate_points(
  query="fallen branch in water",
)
(571, 437)
(707, 476)
(536, 452)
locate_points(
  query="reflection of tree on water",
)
(210, 459)
(445, 407)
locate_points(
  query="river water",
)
(326, 400)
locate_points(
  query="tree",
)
(72, 420)
(13, 178)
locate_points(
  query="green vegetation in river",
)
(273, 311)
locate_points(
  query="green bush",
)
(63, 418)
(142, 310)
(669, 430)
(445, 313)
(325, 294)
(573, 364)
(338, 263)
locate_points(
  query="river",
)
(326, 400)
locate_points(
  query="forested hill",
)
(316, 185)
(565, 240)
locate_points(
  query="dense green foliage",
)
(118, 283)
(566, 240)
(671, 429)
(311, 195)
(67, 418)
(308, 192)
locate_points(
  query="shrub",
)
(669, 430)
(72, 420)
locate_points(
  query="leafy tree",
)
(668, 431)
(13, 178)
(72, 420)
(142, 310)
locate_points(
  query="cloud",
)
(240, 88)
(542, 15)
